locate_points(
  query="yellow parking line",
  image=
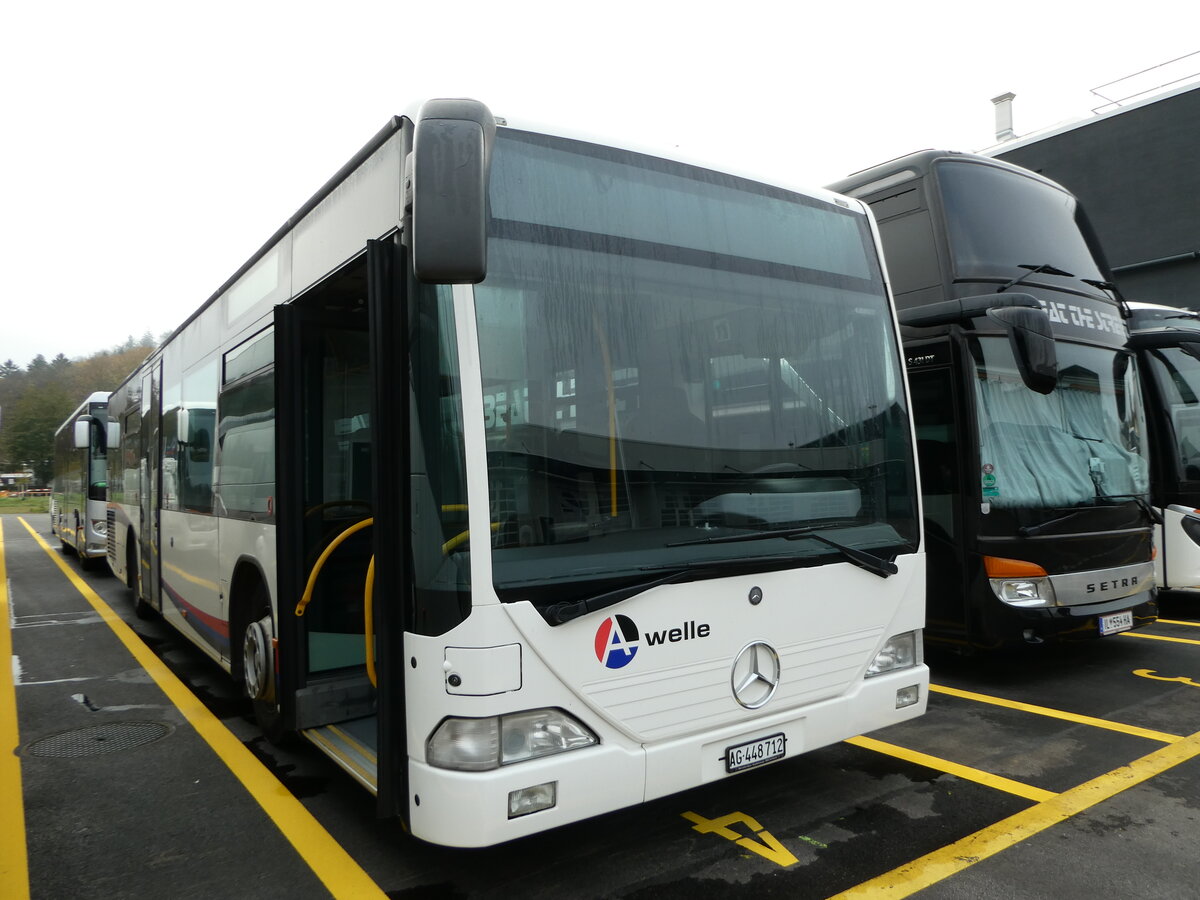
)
(14, 858)
(1059, 714)
(1158, 637)
(999, 782)
(1176, 622)
(953, 858)
(337, 870)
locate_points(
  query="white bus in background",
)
(1167, 342)
(78, 495)
(531, 478)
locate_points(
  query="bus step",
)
(352, 745)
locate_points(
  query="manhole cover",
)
(95, 740)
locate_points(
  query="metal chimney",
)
(1004, 118)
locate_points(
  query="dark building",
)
(1137, 174)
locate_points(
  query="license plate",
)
(755, 753)
(1121, 621)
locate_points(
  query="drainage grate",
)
(95, 740)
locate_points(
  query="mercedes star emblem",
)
(755, 675)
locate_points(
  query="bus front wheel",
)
(258, 666)
(133, 577)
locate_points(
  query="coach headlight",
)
(475, 745)
(1019, 583)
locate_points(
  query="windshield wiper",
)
(869, 561)
(1104, 286)
(566, 610)
(1033, 530)
(1033, 270)
(1154, 514)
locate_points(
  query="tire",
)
(85, 562)
(256, 664)
(133, 575)
(64, 548)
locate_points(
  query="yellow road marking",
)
(1159, 637)
(337, 870)
(766, 845)
(1152, 673)
(954, 858)
(1059, 714)
(14, 858)
(1177, 622)
(999, 782)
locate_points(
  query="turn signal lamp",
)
(1019, 583)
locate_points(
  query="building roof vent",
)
(1004, 117)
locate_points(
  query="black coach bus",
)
(1030, 423)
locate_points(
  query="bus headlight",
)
(100, 526)
(1025, 591)
(475, 745)
(900, 652)
(1019, 583)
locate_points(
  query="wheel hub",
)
(258, 659)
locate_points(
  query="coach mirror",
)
(1032, 343)
(83, 432)
(447, 183)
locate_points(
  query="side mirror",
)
(1032, 342)
(182, 422)
(83, 432)
(114, 434)
(448, 185)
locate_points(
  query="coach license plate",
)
(755, 753)
(1121, 621)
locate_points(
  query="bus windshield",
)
(998, 220)
(670, 354)
(1076, 446)
(97, 457)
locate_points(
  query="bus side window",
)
(246, 441)
(441, 576)
(195, 459)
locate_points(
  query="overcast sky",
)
(150, 148)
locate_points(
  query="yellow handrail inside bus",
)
(306, 598)
(369, 626)
(461, 538)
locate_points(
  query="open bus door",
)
(339, 513)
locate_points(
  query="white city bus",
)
(531, 478)
(78, 493)
(1167, 342)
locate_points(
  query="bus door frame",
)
(389, 312)
(955, 609)
(150, 493)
